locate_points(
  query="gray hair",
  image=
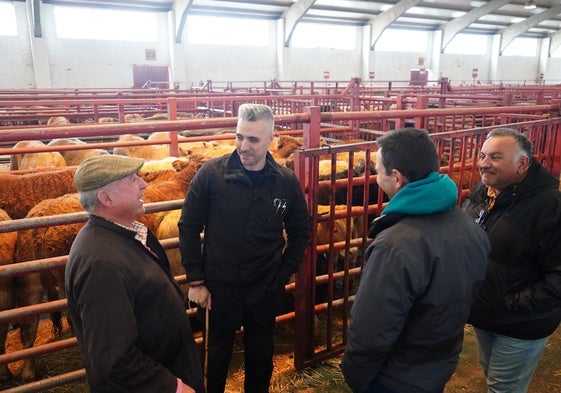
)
(88, 200)
(256, 112)
(524, 145)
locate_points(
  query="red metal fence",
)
(19, 107)
(326, 294)
(458, 150)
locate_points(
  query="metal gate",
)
(342, 178)
(342, 195)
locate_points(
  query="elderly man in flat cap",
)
(127, 311)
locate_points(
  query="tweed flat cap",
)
(96, 172)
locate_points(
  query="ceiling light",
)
(530, 5)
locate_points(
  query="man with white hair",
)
(127, 311)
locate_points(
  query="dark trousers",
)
(258, 340)
(377, 387)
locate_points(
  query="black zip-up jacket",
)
(243, 225)
(521, 294)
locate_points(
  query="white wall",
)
(52, 62)
(459, 68)
(553, 69)
(86, 63)
(16, 64)
(74, 63)
(393, 66)
(226, 63)
(515, 68)
(310, 64)
(229, 63)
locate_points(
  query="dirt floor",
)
(325, 378)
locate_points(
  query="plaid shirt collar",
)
(140, 229)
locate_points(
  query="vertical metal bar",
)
(172, 115)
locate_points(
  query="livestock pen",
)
(349, 194)
(36, 106)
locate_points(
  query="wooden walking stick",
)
(207, 318)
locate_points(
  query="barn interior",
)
(173, 101)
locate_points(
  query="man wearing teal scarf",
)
(422, 273)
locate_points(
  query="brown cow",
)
(7, 247)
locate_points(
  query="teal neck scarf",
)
(435, 193)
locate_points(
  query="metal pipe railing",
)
(303, 118)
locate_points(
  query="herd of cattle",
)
(31, 193)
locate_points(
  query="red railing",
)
(459, 147)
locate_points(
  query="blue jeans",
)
(508, 363)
